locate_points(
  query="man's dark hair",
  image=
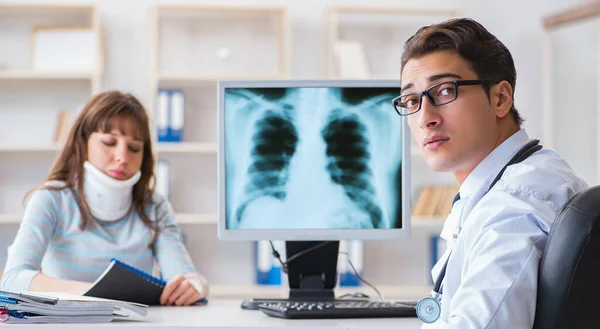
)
(488, 57)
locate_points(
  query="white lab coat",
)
(496, 238)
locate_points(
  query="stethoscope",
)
(429, 308)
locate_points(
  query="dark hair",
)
(97, 116)
(488, 57)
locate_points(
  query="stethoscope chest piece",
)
(428, 309)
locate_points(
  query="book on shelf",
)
(268, 269)
(434, 201)
(351, 59)
(64, 121)
(350, 251)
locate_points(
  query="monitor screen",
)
(312, 160)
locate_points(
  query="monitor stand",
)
(311, 276)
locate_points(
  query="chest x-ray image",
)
(312, 158)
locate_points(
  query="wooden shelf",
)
(186, 79)
(29, 148)
(37, 76)
(427, 222)
(9, 9)
(196, 219)
(187, 147)
(10, 218)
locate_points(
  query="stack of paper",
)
(16, 307)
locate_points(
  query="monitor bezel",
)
(309, 234)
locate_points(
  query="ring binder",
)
(121, 281)
(146, 276)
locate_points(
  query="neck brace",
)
(109, 199)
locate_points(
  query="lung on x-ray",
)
(312, 158)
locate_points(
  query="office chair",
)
(569, 273)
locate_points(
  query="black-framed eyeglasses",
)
(438, 95)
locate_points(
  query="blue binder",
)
(347, 276)
(170, 115)
(268, 269)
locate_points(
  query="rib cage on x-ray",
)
(274, 143)
(348, 161)
(311, 158)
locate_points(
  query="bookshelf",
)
(191, 48)
(44, 76)
(32, 95)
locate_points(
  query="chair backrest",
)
(569, 273)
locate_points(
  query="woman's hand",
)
(184, 290)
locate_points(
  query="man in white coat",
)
(458, 83)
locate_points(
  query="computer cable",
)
(359, 277)
(303, 252)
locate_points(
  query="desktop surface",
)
(226, 313)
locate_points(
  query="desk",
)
(221, 313)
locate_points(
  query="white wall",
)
(517, 23)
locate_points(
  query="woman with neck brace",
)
(98, 203)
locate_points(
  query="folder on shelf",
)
(355, 253)
(434, 201)
(162, 115)
(170, 115)
(268, 269)
(52, 307)
(177, 115)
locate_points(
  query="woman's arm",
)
(185, 285)
(35, 232)
(23, 265)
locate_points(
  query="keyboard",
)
(339, 309)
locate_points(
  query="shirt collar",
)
(485, 172)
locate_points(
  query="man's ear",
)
(501, 98)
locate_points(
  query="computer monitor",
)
(312, 163)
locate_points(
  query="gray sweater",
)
(50, 240)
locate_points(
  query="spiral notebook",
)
(121, 281)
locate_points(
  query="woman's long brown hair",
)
(97, 116)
